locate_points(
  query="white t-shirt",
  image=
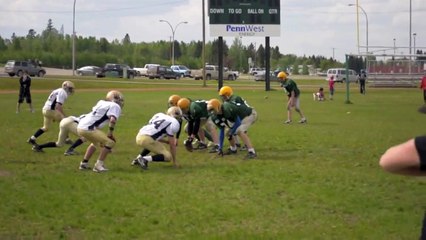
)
(160, 125)
(57, 96)
(100, 115)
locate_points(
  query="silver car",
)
(88, 70)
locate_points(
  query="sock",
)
(144, 152)
(48, 145)
(38, 133)
(148, 158)
(85, 161)
(233, 148)
(158, 158)
(251, 150)
(77, 143)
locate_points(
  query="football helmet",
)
(183, 104)
(226, 91)
(115, 96)
(68, 86)
(173, 100)
(213, 105)
(174, 112)
(282, 75)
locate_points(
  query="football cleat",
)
(250, 155)
(70, 152)
(214, 149)
(303, 120)
(143, 163)
(230, 152)
(36, 148)
(31, 141)
(99, 167)
(201, 146)
(84, 166)
(135, 162)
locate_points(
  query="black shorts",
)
(24, 95)
(420, 143)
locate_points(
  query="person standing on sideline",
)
(293, 97)
(423, 86)
(24, 92)
(331, 86)
(362, 77)
(53, 109)
(104, 112)
(151, 138)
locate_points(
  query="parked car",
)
(34, 68)
(88, 70)
(116, 70)
(340, 74)
(261, 76)
(162, 72)
(182, 70)
(212, 72)
(254, 71)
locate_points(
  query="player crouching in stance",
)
(104, 112)
(319, 96)
(66, 126)
(53, 109)
(151, 138)
(241, 116)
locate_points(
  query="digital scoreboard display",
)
(244, 17)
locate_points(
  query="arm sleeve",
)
(221, 137)
(236, 125)
(420, 143)
(196, 126)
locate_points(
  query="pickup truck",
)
(144, 71)
(212, 72)
(116, 70)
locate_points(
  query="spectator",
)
(362, 77)
(319, 96)
(423, 86)
(24, 91)
(331, 86)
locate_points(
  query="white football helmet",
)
(68, 86)
(174, 112)
(115, 96)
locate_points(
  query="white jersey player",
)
(150, 138)
(104, 112)
(53, 109)
(66, 126)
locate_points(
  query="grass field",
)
(315, 181)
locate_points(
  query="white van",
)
(340, 74)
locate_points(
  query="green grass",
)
(314, 181)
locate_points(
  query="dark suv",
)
(162, 72)
(116, 70)
(34, 68)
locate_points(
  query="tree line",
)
(54, 49)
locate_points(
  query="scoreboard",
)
(244, 17)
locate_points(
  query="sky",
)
(322, 27)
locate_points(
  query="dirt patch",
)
(4, 173)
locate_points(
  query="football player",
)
(240, 116)
(53, 109)
(195, 112)
(66, 126)
(151, 138)
(104, 112)
(293, 93)
(227, 95)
